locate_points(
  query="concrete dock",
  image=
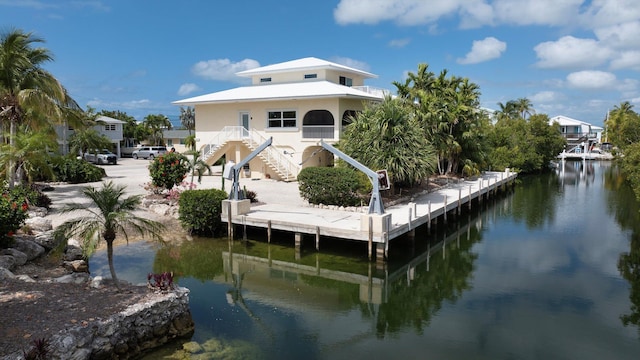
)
(375, 229)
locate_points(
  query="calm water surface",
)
(548, 271)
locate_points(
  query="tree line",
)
(33, 103)
(622, 128)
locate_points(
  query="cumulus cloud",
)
(403, 12)
(627, 60)
(620, 36)
(483, 50)
(356, 64)
(186, 89)
(223, 69)
(399, 43)
(591, 80)
(546, 97)
(570, 52)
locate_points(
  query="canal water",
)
(549, 270)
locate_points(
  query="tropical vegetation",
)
(623, 131)
(107, 215)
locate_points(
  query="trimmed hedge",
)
(331, 186)
(199, 210)
(76, 171)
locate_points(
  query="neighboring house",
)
(175, 139)
(109, 127)
(297, 103)
(580, 135)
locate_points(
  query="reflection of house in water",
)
(575, 172)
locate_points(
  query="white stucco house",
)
(109, 127)
(579, 134)
(297, 103)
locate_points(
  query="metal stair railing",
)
(282, 164)
(252, 138)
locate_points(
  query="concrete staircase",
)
(276, 161)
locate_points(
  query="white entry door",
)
(245, 120)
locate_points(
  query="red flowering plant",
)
(168, 170)
(13, 213)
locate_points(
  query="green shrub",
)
(13, 213)
(33, 194)
(168, 170)
(331, 186)
(199, 210)
(76, 171)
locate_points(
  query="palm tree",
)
(188, 118)
(524, 107)
(27, 91)
(155, 124)
(196, 165)
(29, 155)
(109, 215)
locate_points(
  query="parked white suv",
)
(149, 152)
(100, 157)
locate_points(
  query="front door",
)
(245, 120)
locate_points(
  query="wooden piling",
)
(229, 221)
(429, 215)
(370, 237)
(445, 208)
(459, 200)
(469, 202)
(317, 238)
(269, 231)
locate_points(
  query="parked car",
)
(100, 157)
(149, 152)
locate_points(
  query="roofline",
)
(310, 97)
(326, 66)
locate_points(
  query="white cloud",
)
(546, 97)
(591, 80)
(483, 50)
(223, 69)
(609, 12)
(535, 12)
(403, 12)
(627, 60)
(620, 36)
(570, 52)
(186, 89)
(356, 64)
(399, 43)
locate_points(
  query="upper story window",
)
(110, 127)
(346, 81)
(310, 76)
(264, 80)
(282, 119)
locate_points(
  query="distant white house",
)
(109, 127)
(297, 103)
(580, 135)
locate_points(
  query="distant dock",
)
(376, 230)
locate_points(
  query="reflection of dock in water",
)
(273, 278)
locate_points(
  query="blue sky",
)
(569, 57)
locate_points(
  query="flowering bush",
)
(160, 282)
(13, 213)
(168, 170)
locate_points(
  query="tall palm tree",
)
(27, 91)
(109, 214)
(155, 124)
(525, 107)
(188, 118)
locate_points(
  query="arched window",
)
(318, 124)
(347, 117)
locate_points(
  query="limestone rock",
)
(76, 278)
(30, 248)
(6, 274)
(39, 224)
(76, 266)
(46, 240)
(19, 257)
(25, 278)
(73, 253)
(35, 211)
(7, 262)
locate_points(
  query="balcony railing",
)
(318, 131)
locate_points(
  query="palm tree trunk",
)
(12, 144)
(111, 268)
